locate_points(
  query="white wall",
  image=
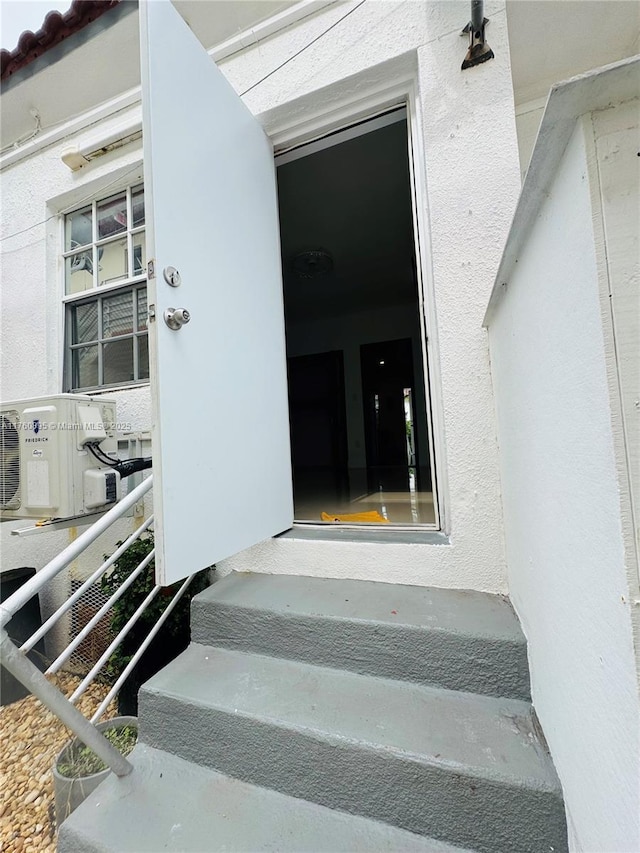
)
(467, 134)
(31, 326)
(616, 182)
(569, 574)
(467, 155)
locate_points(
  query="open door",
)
(221, 456)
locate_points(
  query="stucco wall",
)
(467, 167)
(467, 135)
(616, 179)
(31, 326)
(569, 575)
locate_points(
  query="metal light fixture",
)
(312, 263)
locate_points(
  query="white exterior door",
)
(221, 457)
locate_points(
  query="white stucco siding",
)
(34, 191)
(466, 162)
(616, 182)
(23, 315)
(569, 576)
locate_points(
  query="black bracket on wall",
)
(479, 51)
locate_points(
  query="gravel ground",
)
(30, 738)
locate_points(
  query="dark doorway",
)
(351, 301)
(318, 430)
(394, 451)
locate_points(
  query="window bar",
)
(62, 236)
(94, 234)
(104, 657)
(68, 604)
(130, 262)
(100, 336)
(67, 363)
(66, 654)
(143, 647)
(95, 272)
(134, 326)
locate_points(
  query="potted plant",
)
(172, 638)
(77, 770)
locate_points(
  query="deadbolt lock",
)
(172, 276)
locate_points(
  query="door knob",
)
(175, 318)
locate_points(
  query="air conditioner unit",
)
(47, 469)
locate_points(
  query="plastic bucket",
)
(69, 793)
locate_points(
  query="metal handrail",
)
(68, 604)
(143, 646)
(16, 660)
(113, 645)
(28, 674)
(91, 624)
(33, 586)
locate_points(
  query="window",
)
(105, 293)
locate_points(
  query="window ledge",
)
(111, 389)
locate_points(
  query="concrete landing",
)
(461, 640)
(428, 760)
(170, 804)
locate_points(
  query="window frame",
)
(130, 283)
(97, 242)
(134, 335)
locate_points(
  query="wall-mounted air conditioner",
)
(50, 449)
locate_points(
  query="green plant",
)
(82, 761)
(174, 634)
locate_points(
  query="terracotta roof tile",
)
(55, 29)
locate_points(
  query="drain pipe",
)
(479, 51)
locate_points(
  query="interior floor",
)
(399, 507)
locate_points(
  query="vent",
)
(96, 642)
(9, 461)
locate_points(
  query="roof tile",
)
(55, 29)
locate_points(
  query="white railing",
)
(16, 661)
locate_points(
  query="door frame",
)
(337, 108)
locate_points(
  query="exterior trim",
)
(395, 86)
(567, 101)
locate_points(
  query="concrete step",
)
(171, 804)
(462, 768)
(460, 640)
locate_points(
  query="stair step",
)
(461, 640)
(463, 768)
(170, 804)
